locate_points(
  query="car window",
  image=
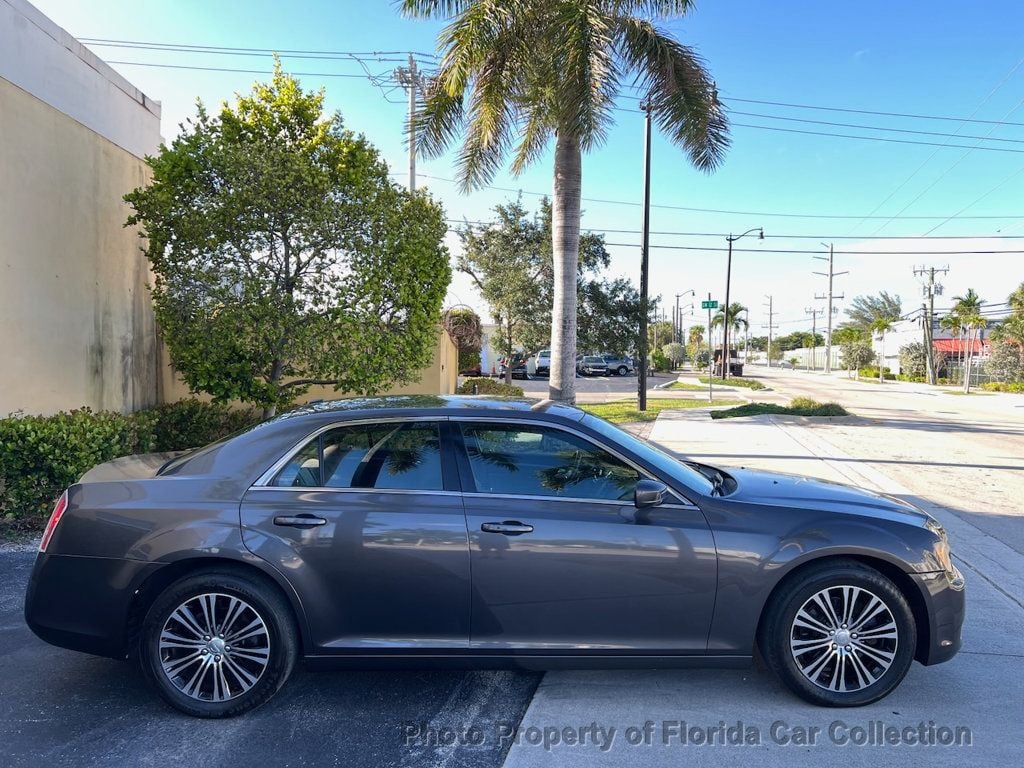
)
(388, 456)
(541, 461)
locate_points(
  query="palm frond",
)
(681, 93)
(427, 9)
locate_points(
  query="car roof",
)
(427, 405)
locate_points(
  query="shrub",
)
(42, 455)
(736, 381)
(193, 423)
(914, 359)
(872, 373)
(855, 355)
(1004, 386)
(484, 385)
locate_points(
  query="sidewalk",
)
(982, 688)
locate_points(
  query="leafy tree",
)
(1016, 299)
(510, 262)
(282, 255)
(674, 352)
(609, 315)
(798, 340)
(759, 343)
(526, 71)
(854, 355)
(1010, 333)
(865, 310)
(659, 332)
(913, 359)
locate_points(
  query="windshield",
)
(661, 460)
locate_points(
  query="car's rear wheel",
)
(840, 635)
(623, 370)
(218, 644)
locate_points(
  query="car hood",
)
(798, 492)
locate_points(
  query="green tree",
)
(510, 262)
(864, 311)
(609, 315)
(913, 360)
(854, 347)
(283, 257)
(521, 72)
(881, 326)
(674, 352)
(659, 332)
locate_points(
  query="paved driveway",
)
(63, 708)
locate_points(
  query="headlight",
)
(941, 547)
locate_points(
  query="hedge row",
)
(42, 455)
(482, 385)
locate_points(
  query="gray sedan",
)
(482, 532)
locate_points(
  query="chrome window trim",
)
(264, 480)
(680, 501)
(325, 489)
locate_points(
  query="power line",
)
(244, 71)
(874, 127)
(727, 212)
(794, 250)
(480, 222)
(191, 48)
(874, 112)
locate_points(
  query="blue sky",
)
(931, 58)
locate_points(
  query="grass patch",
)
(800, 406)
(625, 411)
(961, 393)
(736, 381)
(686, 387)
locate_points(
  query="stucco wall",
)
(76, 327)
(438, 378)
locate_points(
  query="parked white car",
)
(540, 364)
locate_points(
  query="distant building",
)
(947, 346)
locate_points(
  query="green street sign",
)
(709, 305)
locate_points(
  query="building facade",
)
(77, 325)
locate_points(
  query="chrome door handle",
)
(299, 521)
(507, 527)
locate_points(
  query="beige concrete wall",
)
(76, 324)
(438, 378)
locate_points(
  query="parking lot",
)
(597, 389)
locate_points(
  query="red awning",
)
(956, 346)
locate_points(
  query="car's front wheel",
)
(623, 370)
(840, 635)
(218, 644)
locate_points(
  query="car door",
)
(365, 520)
(561, 556)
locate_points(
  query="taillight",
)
(51, 526)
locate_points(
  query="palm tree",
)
(881, 325)
(1016, 299)
(968, 310)
(519, 72)
(696, 334)
(736, 324)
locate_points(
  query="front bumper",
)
(82, 603)
(945, 601)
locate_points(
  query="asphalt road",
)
(598, 389)
(965, 453)
(63, 708)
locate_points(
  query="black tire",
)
(281, 638)
(623, 370)
(779, 633)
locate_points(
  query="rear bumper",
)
(945, 599)
(82, 603)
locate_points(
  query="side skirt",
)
(525, 661)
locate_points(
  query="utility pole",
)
(771, 327)
(930, 290)
(830, 274)
(814, 337)
(410, 79)
(725, 310)
(644, 253)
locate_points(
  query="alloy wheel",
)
(214, 647)
(844, 638)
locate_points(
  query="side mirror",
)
(649, 493)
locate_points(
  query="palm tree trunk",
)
(565, 235)
(968, 356)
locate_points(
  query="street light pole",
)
(644, 252)
(725, 310)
